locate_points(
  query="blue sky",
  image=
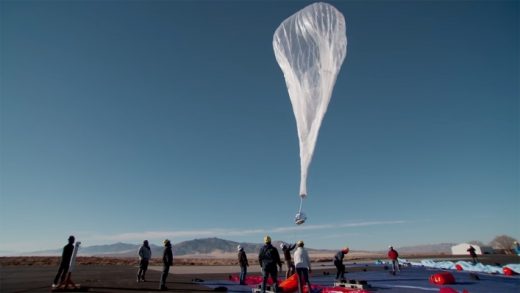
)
(132, 120)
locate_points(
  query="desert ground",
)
(99, 274)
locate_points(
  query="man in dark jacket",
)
(242, 260)
(338, 262)
(473, 254)
(167, 263)
(145, 254)
(287, 248)
(65, 261)
(393, 255)
(268, 259)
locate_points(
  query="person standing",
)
(145, 254)
(338, 262)
(473, 254)
(287, 248)
(167, 263)
(66, 255)
(393, 255)
(303, 265)
(268, 258)
(242, 261)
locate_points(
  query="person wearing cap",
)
(66, 255)
(303, 264)
(242, 261)
(393, 255)
(287, 248)
(167, 263)
(268, 258)
(338, 262)
(145, 254)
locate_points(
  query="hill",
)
(216, 247)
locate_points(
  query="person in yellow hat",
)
(167, 263)
(338, 262)
(269, 258)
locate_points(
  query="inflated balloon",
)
(310, 47)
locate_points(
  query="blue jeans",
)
(243, 273)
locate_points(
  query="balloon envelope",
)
(310, 47)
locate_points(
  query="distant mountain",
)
(213, 246)
(203, 247)
(116, 248)
(441, 248)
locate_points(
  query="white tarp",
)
(466, 266)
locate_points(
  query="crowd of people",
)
(268, 258)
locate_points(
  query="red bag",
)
(290, 284)
(442, 278)
(508, 272)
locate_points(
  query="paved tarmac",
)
(92, 278)
(122, 278)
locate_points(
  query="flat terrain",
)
(104, 275)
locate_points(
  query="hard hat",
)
(345, 249)
(267, 239)
(300, 243)
(283, 245)
(239, 248)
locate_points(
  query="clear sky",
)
(132, 120)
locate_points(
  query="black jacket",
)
(167, 256)
(287, 252)
(269, 257)
(242, 259)
(67, 254)
(338, 258)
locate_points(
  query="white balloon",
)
(310, 47)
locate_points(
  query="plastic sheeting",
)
(310, 47)
(467, 266)
(411, 279)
